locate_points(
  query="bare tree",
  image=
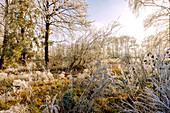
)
(19, 28)
(65, 15)
(158, 19)
(5, 41)
(89, 45)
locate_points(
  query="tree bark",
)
(46, 44)
(5, 36)
(23, 39)
(47, 35)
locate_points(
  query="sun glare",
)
(131, 24)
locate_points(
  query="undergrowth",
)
(139, 87)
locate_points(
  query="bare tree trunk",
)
(24, 54)
(47, 35)
(5, 36)
(113, 50)
(117, 48)
(46, 43)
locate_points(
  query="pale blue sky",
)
(104, 11)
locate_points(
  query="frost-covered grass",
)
(151, 92)
(130, 87)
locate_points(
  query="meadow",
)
(104, 86)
